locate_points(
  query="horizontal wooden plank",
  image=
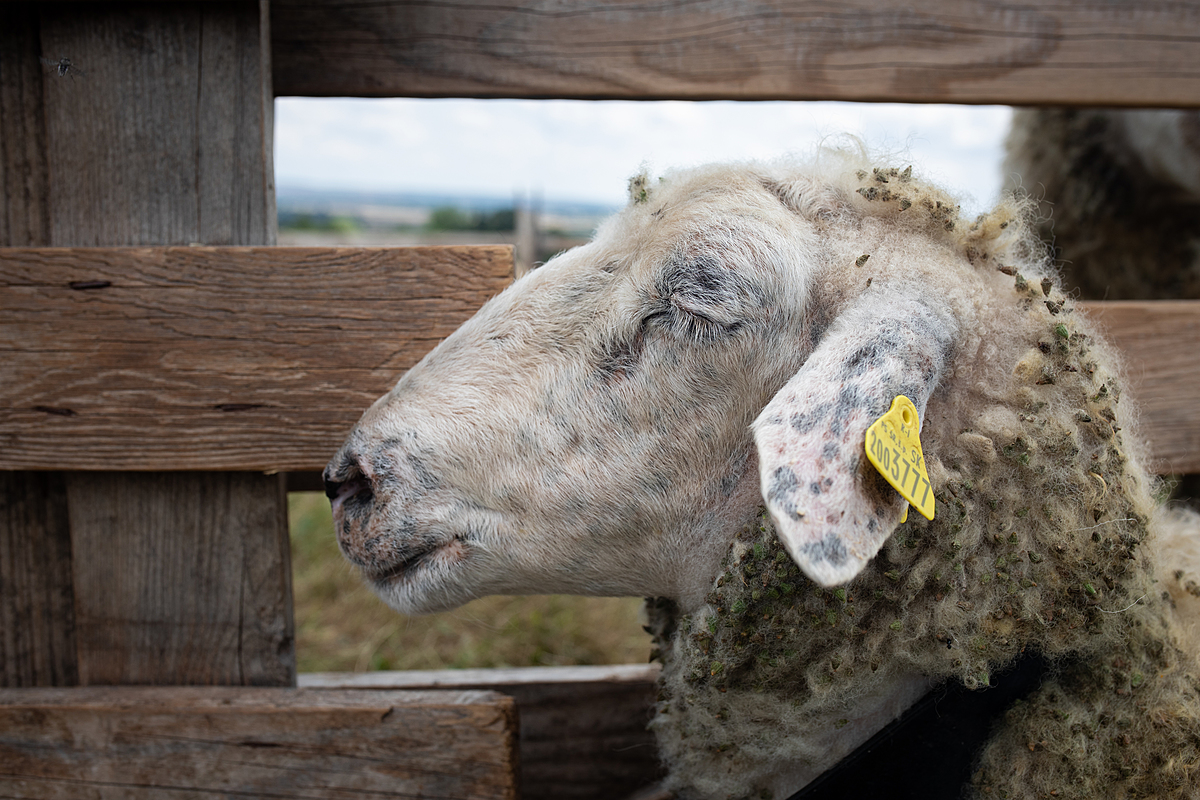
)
(632, 674)
(209, 358)
(176, 742)
(583, 729)
(1090, 52)
(197, 358)
(1161, 342)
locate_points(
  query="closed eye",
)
(703, 323)
(620, 357)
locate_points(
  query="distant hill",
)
(294, 199)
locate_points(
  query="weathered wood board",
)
(175, 743)
(583, 729)
(37, 628)
(1161, 344)
(24, 178)
(207, 601)
(138, 124)
(160, 130)
(37, 602)
(197, 358)
(1090, 52)
(262, 358)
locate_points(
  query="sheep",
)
(681, 409)
(1119, 197)
(1120, 193)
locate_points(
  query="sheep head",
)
(607, 423)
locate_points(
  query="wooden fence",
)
(166, 372)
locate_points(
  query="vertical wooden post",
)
(37, 612)
(141, 124)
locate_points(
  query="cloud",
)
(585, 150)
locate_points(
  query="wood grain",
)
(144, 124)
(160, 131)
(255, 358)
(583, 729)
(1091, 52)
(206, 601)
(216, 358)
(24, 179)
(145, 743)
(1161, 342)
(37, 621)
(37, 605)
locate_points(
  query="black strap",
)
(928, 752)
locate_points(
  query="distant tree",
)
(451, 218)
(317, 222)
(503, 220)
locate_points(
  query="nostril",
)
(344, 479)
(333, 488)
(355, 493)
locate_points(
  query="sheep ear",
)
(832, 509)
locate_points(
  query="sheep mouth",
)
(405, 569)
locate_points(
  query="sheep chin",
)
(428, 583)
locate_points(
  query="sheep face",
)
(590, 429)
(591, 423)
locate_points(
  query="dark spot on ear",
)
(783, 483)
(803, 423)
(890, 341)
(861, 360)
(830, 451)
(852, 398)
(849, 399)
(912, 391)
(831, 549)
(814, 487)
(736, 470)
(783, 486)
(872, 525)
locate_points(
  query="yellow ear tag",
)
(894, 447)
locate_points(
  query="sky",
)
(586, 150)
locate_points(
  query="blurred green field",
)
(342, 626)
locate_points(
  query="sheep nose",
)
(344, 479)
(332, 488)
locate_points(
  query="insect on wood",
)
(62, 66)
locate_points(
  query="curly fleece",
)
(1044, 513)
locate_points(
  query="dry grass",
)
(341, 625)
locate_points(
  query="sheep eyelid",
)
(708, 323)
(693, 311)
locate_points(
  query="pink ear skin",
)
(831, 508)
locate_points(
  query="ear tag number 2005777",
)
(894, 447)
